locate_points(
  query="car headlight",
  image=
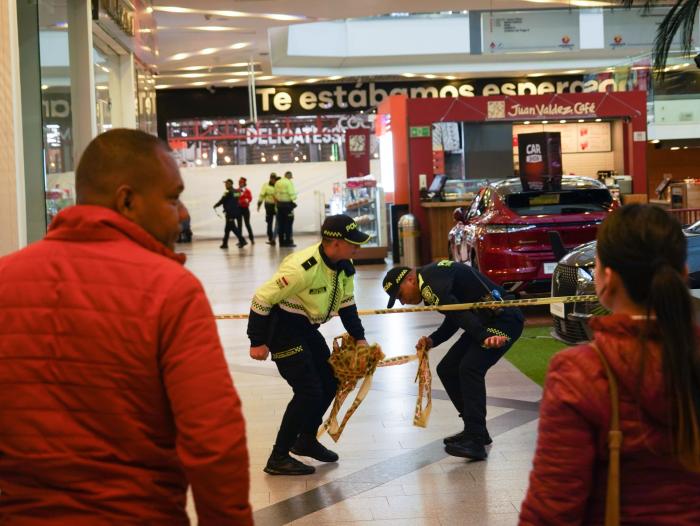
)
(584, 276)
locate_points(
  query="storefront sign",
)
(312, 99)
(515, 110)
(120, 12)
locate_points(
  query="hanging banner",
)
(357, 152)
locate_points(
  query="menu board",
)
(593, 137)
(522, 31)
(575, 137)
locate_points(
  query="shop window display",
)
(217, 142)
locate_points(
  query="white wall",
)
(313, 181)
(204, 187)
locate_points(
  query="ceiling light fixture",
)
(335, 77)
(429, 76)
(534, 75)
(163, 86)
(228, 13)
(451, 77)
(409, 75)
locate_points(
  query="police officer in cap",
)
(233, 212)
(309, 287)
(488, 334)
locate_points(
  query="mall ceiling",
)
(210, 42)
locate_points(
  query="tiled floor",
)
(390, 472)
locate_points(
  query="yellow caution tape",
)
(529, 302)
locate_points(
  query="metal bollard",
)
(409, 250)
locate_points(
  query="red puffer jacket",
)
(114, 391)
(569, 477)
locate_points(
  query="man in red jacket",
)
(114, 391)
(244, 203)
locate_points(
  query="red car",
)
(506, 231)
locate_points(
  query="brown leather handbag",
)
(612, 501)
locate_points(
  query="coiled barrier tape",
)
(352, 363)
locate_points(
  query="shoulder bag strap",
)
(612, 502)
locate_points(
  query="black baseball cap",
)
(343, 227)
(392, 282)
(229, 181)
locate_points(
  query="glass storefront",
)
(291, 139)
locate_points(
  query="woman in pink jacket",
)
(651, 344)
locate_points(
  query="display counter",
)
(440, 221)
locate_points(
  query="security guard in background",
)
(309, 287)
(488, 334)
(267, 196)
(285, 197)
(232, 210)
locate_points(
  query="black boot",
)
(283, 464)
(470, 446)
(459, 436)
(307, 446)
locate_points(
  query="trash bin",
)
(408, 241)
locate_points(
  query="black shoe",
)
(471, 446)
(459, 436)
(290, 245)
(308, 446)
(252, 240)
(272, 243)
(223, 246)
(283, 464)
(242, 243)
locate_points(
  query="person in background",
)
(285, 197)
(309, 287)
(244, 203)
(650, 342)
(232, 211)
(488, 334)
(114, 391)
(267, 197)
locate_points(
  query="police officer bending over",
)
(488, 334)
(310, 286)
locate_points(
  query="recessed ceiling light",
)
(563, 121)
(335, 77)
(163, 86)
(409, 75)
(266, 77)
(208, 51)
(200, 83)
(655, 141)
(581, 120)
(450, 77)
(573, 71)
(44, 86)
(232, 81)
(526, 122)
(429, 76)
(180, 56)
(598, 120)
(206, 28)
(545, 122)
(227, 13)
(311, 81)
(290, 83)
(675, 147)
(239, 45)
(536, 75)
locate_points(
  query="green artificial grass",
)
(532, 352)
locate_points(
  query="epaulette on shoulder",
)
(306, 265)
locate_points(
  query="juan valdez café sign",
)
(578, 109)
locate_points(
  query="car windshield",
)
(556, 203)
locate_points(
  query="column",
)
(13, 230)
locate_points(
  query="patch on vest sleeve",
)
(306, 265)
(282, 282)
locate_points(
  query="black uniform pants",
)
(285, 218)
(231, 226)
(301, 355)
(245, 217)
(270, 212)
(463, 374)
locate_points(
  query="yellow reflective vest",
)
(304, 284)
(267, 194)
(285, 191)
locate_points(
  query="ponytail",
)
(647, 248)
(670, 301)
